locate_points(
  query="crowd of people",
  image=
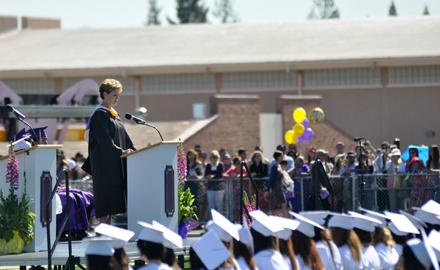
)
(308, 240)
(283, 178)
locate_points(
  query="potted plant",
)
(16, 221)
(187, 209)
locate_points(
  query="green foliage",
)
(190, 11)
(392, 11)
(153, 13)
(15, 216)
(224, 10)
(324, 9)
(187, 209)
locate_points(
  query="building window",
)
(417, 75)
(30, 86)
(259, 81)
(178, 83)
(342, 78)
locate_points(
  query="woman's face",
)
(257, 158)
(190, 156)
(111, 99)
(412, 152)
(214, 159)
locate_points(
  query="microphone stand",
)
(148, 125)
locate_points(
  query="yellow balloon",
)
(299, 114)
(298, 129)
(290, 137)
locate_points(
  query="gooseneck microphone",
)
(20, 116)
(140, 121)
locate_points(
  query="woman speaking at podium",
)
(108, 140)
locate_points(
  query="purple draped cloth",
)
(82, 209)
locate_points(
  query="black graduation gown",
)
(319, 178)
(107, 139)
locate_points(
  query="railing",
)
(380, 192)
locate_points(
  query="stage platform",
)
(78, 248)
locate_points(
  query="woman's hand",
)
(127, 151)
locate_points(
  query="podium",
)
(152, 186)
(32, 163)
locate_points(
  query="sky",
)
(76, 14)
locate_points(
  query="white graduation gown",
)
(242, 264)
(399, 249)
(301, 264)
(330, 263)
(270, 259)
(348, 261)
(154, 266)
(370, 258)
(287, 261)
(388, 256)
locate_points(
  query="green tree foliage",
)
(426, 11)
(324, 9)
(392, 11)
(153, 13)
(224, 11)
(190, 11)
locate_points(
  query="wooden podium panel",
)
(32, 163)
(150, 171)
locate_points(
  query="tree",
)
(426, 10)
(224, 10)
(324, 9)
(153, 13)
(392, 11)
(190, 11)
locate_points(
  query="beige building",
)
(377, 78)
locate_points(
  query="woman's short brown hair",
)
(108, 86)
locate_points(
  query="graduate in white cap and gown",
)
(226, 231)
(151, 247)
(364, 226)
(304, 245)
(328, 251)
(208, 253)
(172, 241)
(244, 248)
(267, 254)
(419, 254)
(348, 242)
(285, 240)
(99, 254)
(120, 238)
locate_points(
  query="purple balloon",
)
(305, 123)
(308, 135)
(300, 139)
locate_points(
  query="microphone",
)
(17, 113)
(139, 121)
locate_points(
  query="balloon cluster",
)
(301, 132)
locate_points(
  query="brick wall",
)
(237, 125)
(327, 134)
(8, 23)
(40, 23)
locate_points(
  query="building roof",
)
(210, 47)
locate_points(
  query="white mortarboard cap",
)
(172, 239)
(245, 236)
(364, 222)
(151, 233)
(434, 241)
(211, 251)
(224, 229)
(420, 224)
(100, 247)
(432, 207)
(400, 224)
(263, 224)
(120, 236)
(288, 224)
(306, 226)
(379, 216)
(343, 221)
(317, 216)
(423, 251)
(427, 216)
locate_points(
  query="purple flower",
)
(186, 226)
(12, 172)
